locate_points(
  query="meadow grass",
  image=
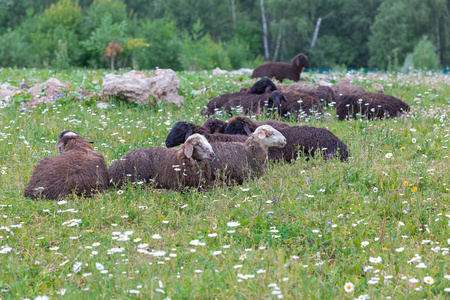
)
(379, 221)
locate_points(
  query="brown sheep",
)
(215, 125)
(180, 168)
(370, 105)
(324, 93)
(345, 87)
(303, 139)
(236, 162)
(300, 104)
(182, 130)
(281, 70)
(78, 168)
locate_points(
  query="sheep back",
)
(79, 169)
(300, 104)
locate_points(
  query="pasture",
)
(375, 226)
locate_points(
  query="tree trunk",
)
(112, 62)
(275, 54)
(233, 13)
(264, 23)
(316, 32)
(438, 42)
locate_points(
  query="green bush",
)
(14, 50)
(424, 55)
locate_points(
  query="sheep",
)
(236, 162)
(77, 168)
(345, 87)
(182, 130)
(302, 139)
(186, 167)
(281, 70)
(300, 104)
(245, 126)
(265, 85)
(215, 125)
(324, 93)
(370, 105)
(247, 103)
(262, 86)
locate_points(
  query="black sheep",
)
(281, 70)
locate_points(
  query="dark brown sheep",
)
(182, 130)
(186, 167)
(78, 168)
(236, 162)
(245, 126)
(324, 93)
(345, 87)
(303, 139)
(300, 104)
(281, 70)
(215, 125)
(370, 105)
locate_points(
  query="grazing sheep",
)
(236, 162)
(262, 86)
(281, 70)
(345, 87)
(302, 139)
(300, 104)
(78, 168)
(182, 130)
(215, 125)
(370, 105)
(187, 166)
(324, 93)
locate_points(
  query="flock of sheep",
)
(218, 151)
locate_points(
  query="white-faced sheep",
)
(299, 104)
(182, 130)
(236, 162)
(78, 168)
(187, 166)
(281, 70)
(305, 140)
(370, 105)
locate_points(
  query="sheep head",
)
(275, 99)
(68, 140)
(240, 125)
(270, 136)
(215, 125)
(262, 86)
(179, 134)
(300, 61)
(198, 148)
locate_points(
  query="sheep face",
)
(301, 61)
(275, 100)
(270, 136)
(264, 85)
(238, 126)
(179, 133)
(198, 148)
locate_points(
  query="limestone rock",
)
(378, 87)
(6, 92)
(47, 92)
(136, 86)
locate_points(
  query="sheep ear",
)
(268, 89)
(262, 134)
(247, 129)
(188, 150)
(297, 61)
(284, 98)
(59, 144)
(87, 141)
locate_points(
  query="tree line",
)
(203, 34)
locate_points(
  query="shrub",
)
(424, 55)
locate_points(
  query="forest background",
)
(393, 35)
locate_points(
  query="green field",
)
(302, 231)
